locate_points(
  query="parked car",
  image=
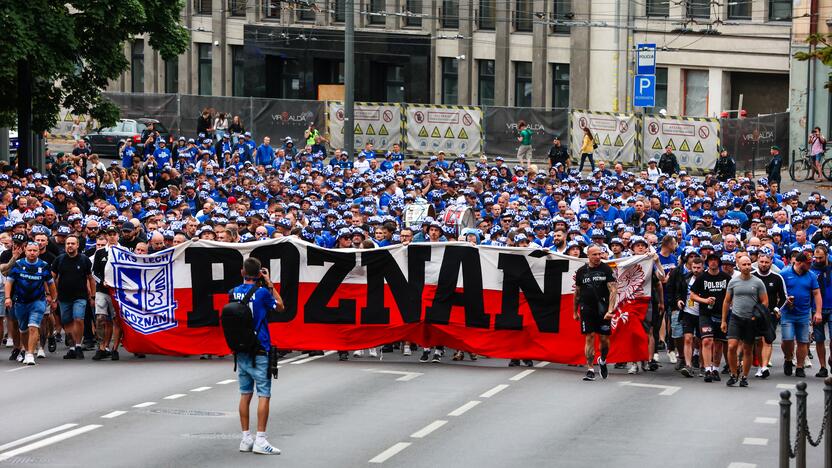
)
(107, 141)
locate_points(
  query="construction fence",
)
(425, 129)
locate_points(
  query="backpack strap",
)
(250, 294)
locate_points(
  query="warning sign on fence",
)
(452, 129)
(615, 134)
(694, 140)
(376, 123)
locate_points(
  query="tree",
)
(62, 53)
(820, 48)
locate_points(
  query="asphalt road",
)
(396, 412)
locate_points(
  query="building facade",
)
(525, 53)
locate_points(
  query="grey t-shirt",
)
(745, 294)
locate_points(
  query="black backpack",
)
(238, 326)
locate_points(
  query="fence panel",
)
(500, 136)
(452, 129)
(377, 123)
(281, 118)
(191, 107)
(615, 134)
(162, 107)
(749, 140)
(694, 140)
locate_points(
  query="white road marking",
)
(542, 364)
(392, 451)
(175, 396)
(425, 431)
(787, 386)
(200, 389)
(114, 414)
(19, 368)
(667, 390)
(292, 359)
(522, 374)
(226, 381)
(462, 409)
(742, 465)
(48, 441)
(145, 404)
(497, 389)
(405, 376)
(32, 437)
(773, 402)
(762, 420)
(754, 441)
(304, 361)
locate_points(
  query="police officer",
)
(725, 167)
(256, 371)
(774, 166)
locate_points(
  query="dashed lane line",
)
(497, 389)
(145, 404)
(754, 441)
(542, 364)
(742, 465)
(464, 408)
(48, 441)
(425, 431)
(200, 389)
(174, 396)
(32, 437)
(787, 386)
(292, 359)
(520, 375)
(113, 414)
(226, 381)
(390, 452)
(304, 361)
(762, 420)
(773, 402)
(19, 368)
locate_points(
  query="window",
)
(561, 11)
(739, 9)
(696, 93)
(137, 66)
(238, 64)
(340, 10)
(450, 14)
(394, 83)
(202, 7)
(661, 88)
(486, 18)
(450, 80)
(415, 7)
(237, 7)
(699, 8)
(523, 15)
(560, 85)
(204, 71)
(172, 75)
(779, 10)
(271, 9)
(523, 84)
(658, 8)
(305, 11)
(377, 6)
(485, 82)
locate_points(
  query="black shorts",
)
(690, 324)
(709, 327)
(741, 329)
(593, 323)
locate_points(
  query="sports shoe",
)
(671, 356)
(342, 356)
(759, 374)
(731, 381)
(715, 376)
(653, 366)
(41, 354)
(70, 354)
(265, 448)
(695, 361)
(709, 376)
(458, 356)
(603, 365)
(472, 356)
(530, 363)
(743, 382)
(787, 367)
(726, 369)
(406, 351)
(114, 355)
(79, 353)
(51, 344)
(590, 375)
(99, 355)
(358, 353)
(247, 444)
(29, 360)
(425, 356)
(514, 363)
(823, 372)
(799, 373)
(687, 372)
(8, 341)
(437, 357)
(680, 364)
(21, 355)
(655, 357)
(373, 353)
(633, 369)
(15, 354)
(808, 362)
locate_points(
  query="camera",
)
(273, 358)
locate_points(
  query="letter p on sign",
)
(644, 91)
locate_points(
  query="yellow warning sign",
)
(671, 144)
(698, 148)
(423, 133)
(358, 130)
(382, 130)
(68, 117)
(657, 144)
(607, 141)
(449, 133)
(462, 134)
(370, 130)
(619, 141)
(596, 140)
(684, 146)
(435, 133)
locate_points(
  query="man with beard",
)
(595, 294)
(823, 269)
(709, 291)
(73, 279)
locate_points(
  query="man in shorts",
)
(709, 292)
(595, 294)
(776, 292)
(685, 322)
(803, 297)
(106, 323)
(72, 271)
(744, 292)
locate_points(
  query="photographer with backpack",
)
(247, 334)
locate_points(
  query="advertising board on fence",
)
(694, 140)
(377, 123)
(615, 134)
(501, 302)
(749, 140)
(452, 129)
(501, 129)
(281, 118)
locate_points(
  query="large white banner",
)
(452, 129)
(377, 123)
(694, 140)
(615, 134)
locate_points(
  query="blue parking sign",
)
(644, 91)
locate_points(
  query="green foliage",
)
(75, 47)
(820, 49)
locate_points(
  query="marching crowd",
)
(727, 247)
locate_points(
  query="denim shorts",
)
(794, 330)
(676, 329)
(73, 310)
(29, 314)
(249, 375)
(819, 331)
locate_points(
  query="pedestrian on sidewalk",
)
(524, 152)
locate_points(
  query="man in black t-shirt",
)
(558, 154)
(595, 292)
(72, 271)
(709, 292)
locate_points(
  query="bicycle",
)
(803, 167)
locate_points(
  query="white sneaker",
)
(9, 342)
(21, 356)
(656, 357)
(671, 356)
(41, 354)
(246, 445)
(265, 448)
(808, 363)
(29, 360)
(759, 372)
(406, 351)
(358, 353)
(633, 368)
(373, 353)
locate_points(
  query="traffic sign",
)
(644, 91)
(646, 59)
